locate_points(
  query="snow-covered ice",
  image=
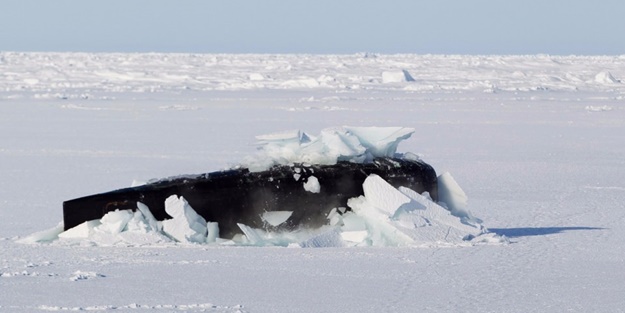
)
(534, 141)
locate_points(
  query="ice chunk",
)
(396, 77)
(410, 156)
(353, 144)
(275, 218)
(276, 148)
(126, 228)
(129, 238)
(302, 82)
(136, 183)
(381, 141)
(412, 221)
(114, 222)
(289, 136)
(44, 235)
(120, 227)
(339, 144)
(416, 205)
(80, 275)
(330, 238)
(312, 185)
(83, 230)
(395, 217)
(335, 218)
(256, 77)
(378, 224)
(149, 218)
(444, 226)
(383, 196)
(355, 236)
(213, 232)
(186, 225)
(598, 108)
(450, 193)
(353, 222)
(252, 236)
(606, 77)
(138, 223)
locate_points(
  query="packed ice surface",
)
(535, 141)
(102, 76)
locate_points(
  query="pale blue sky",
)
(321, 26)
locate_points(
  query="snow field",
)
(535, 142)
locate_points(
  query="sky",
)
(320, 26)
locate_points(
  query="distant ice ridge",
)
(53, 75)
(383, 216)
(354, 144)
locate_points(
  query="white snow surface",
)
(536, 142)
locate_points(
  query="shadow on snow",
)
(536, 231)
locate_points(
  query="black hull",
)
(239, 196)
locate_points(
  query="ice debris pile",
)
(382, 216)
(353, 144)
